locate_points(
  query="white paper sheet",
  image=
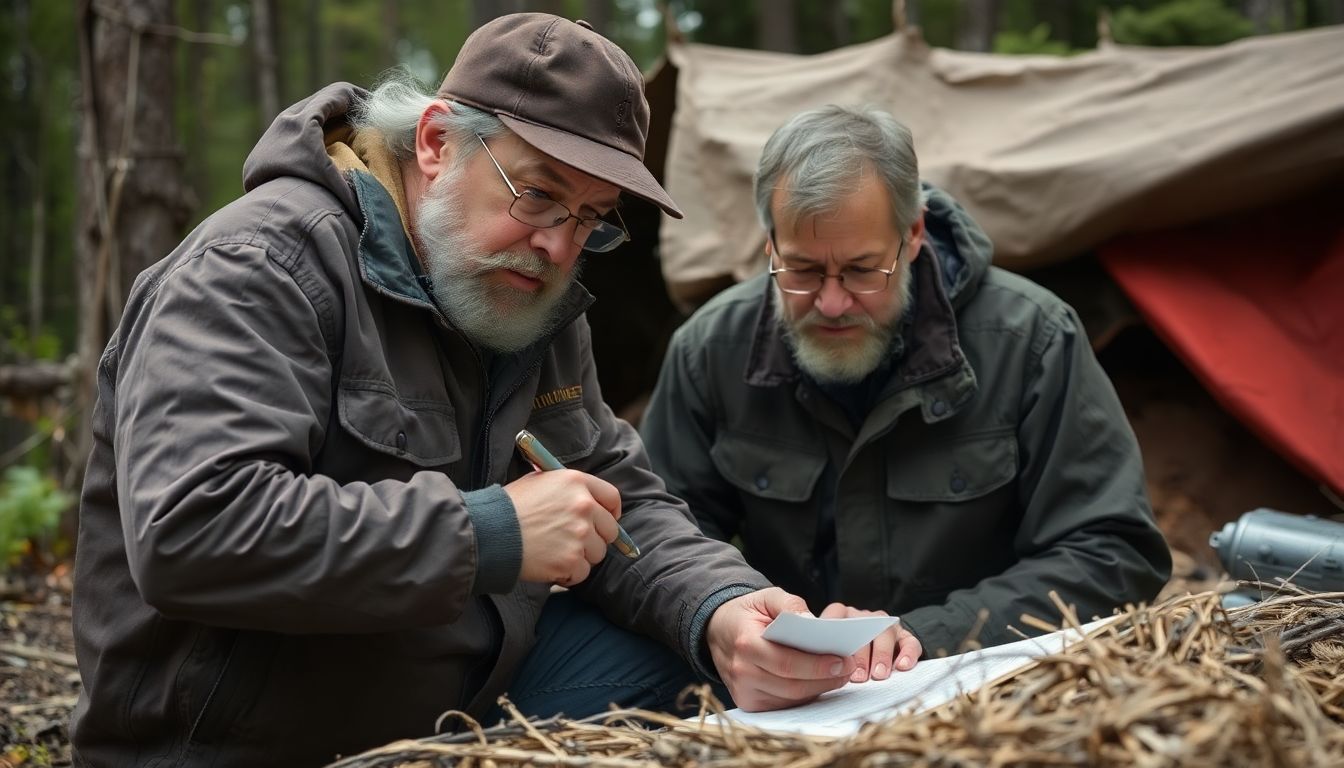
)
(930, 684)
(842, 637)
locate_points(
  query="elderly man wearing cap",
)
(305, 529)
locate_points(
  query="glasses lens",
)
(865, 280)
(537, 210)
(597, 235)
(800, 281)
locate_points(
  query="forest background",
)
(126, 122)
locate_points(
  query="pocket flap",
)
(953, 471)
(568, 431)
(766, 468)
(422, 432)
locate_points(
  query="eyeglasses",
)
(856, 280)
(533, 208)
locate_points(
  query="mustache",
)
(523, 262)
(815, 319)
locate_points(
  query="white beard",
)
(840, 361)
(492, 314)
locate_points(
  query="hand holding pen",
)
(545, 461)
(567, 519)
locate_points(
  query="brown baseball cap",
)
(564, 89)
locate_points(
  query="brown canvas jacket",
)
(996, 466)
(293, 540)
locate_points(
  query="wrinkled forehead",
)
(863, 211)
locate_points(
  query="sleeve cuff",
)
(499, 540)
(701, 660)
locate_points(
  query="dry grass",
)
(1181, 683)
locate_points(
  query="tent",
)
(1117, 149)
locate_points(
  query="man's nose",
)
(832, 299)
(556, 244)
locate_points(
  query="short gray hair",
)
(816, 157)
(394, 108)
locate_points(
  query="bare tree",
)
(31, 160)
(264, 62)
(776, 25)
(1267, 15)
(977, 24)
(841, 29)
(198, 110)
(391, 32)
(317, 76)
(132, 200)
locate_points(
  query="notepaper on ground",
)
(931, 683)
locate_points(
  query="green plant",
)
(1036, 41)
(1182, 22)
(30, 513)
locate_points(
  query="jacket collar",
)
(933, 362)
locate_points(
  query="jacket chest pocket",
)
(568, 431)
(954, 510)
(422, 432)
(777, 484)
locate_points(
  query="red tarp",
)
(1254, 305)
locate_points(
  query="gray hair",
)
(815, 158)
(396, 104)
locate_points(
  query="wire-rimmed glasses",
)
(533, 208)
(856, 280)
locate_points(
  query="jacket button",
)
(401, 441)
(762, 482)
(958, 484)
(939, 407)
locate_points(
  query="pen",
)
(543, 459)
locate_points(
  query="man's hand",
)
(764, 675)
(567, 518)
(874, 659)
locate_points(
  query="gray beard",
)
(847, 363)
(492, 315)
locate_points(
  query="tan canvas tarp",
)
(1051, 155)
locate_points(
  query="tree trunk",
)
(263, 62)
(391, 32)
(776, 26)
(198, 110)
(1266, 15)
(977, 25)
(133, 204)
(841, 30)
(317, 75)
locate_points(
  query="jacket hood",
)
(295, 145)
(964, 250)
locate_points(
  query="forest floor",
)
(39, 681)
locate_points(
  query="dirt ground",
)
(38, 678)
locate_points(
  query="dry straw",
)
(1181, 683)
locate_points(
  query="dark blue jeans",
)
(582, 663)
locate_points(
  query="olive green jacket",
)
(996, 466)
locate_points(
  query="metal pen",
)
(544, 460)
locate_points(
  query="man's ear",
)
(433, 153)
(914, 242)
